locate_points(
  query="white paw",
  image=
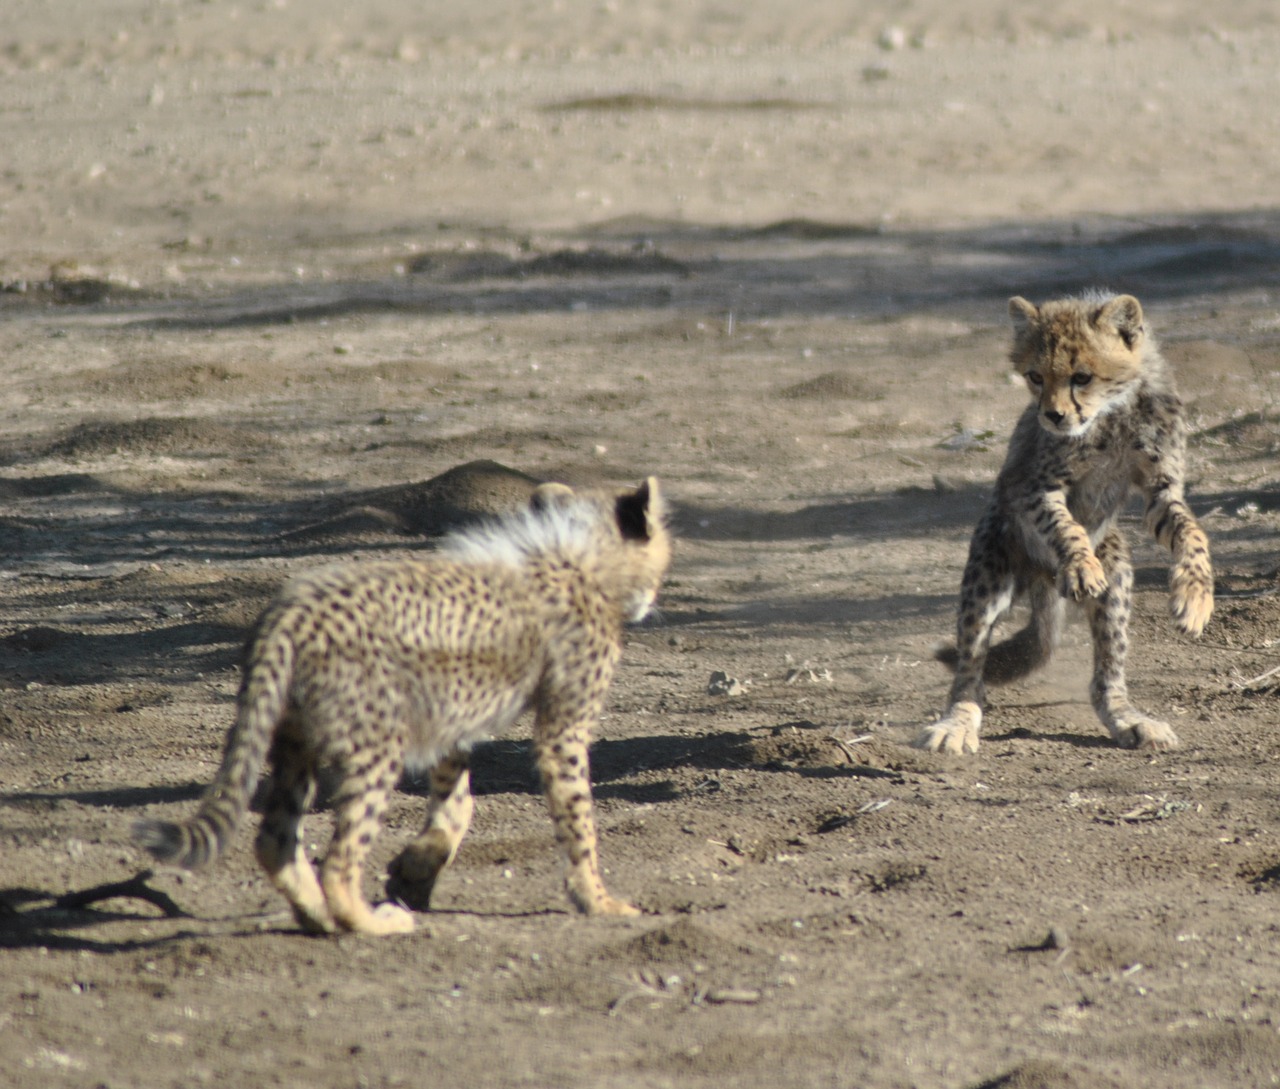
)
(1082, 577)
(956, 732)
(590, 898)
(610, 906)
(1191, 603)
(1136, 731)
(390, 919)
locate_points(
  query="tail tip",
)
(162, 840)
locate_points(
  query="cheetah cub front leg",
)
(1109, 614)
(1191, 576)
(562, 761)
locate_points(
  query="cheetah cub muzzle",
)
(1104, 420)
(361, 669)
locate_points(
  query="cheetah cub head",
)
(1081, 358)
(622, 537)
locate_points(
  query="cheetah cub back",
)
(1104, 420)
(360, 669)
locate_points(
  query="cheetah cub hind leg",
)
(411, 877)
(358, 807)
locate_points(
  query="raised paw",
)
(1082, 576)
(956, 732)
(1140, 732)
(1190, 601)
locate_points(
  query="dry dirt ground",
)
(269, 268)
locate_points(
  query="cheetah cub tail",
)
(1026, 650)
(196, 842)
(1009, 660)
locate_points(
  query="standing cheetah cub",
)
(1105, 419)
(362, 668)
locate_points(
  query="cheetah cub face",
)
(1078, 362)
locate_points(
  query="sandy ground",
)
(269, 267)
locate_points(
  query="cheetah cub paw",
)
(387, 918)
(956, 732)
(1137, 731)
(608, 905)
(1081, 577)
(1190, 601)
(617, 907)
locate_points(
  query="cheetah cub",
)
(1104, 419)
(360, 669)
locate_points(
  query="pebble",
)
(732, 995)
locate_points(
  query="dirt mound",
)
(681, 942)
(150, 378)
(1045, 1074)
(153, 435)
(457, 497)
(593, 262)
(837, 385)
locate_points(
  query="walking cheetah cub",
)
(1104, 419)
(362, 668)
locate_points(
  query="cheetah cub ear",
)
(550, 496)
(1023, 313)
(1123, 316)
(641, 513)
